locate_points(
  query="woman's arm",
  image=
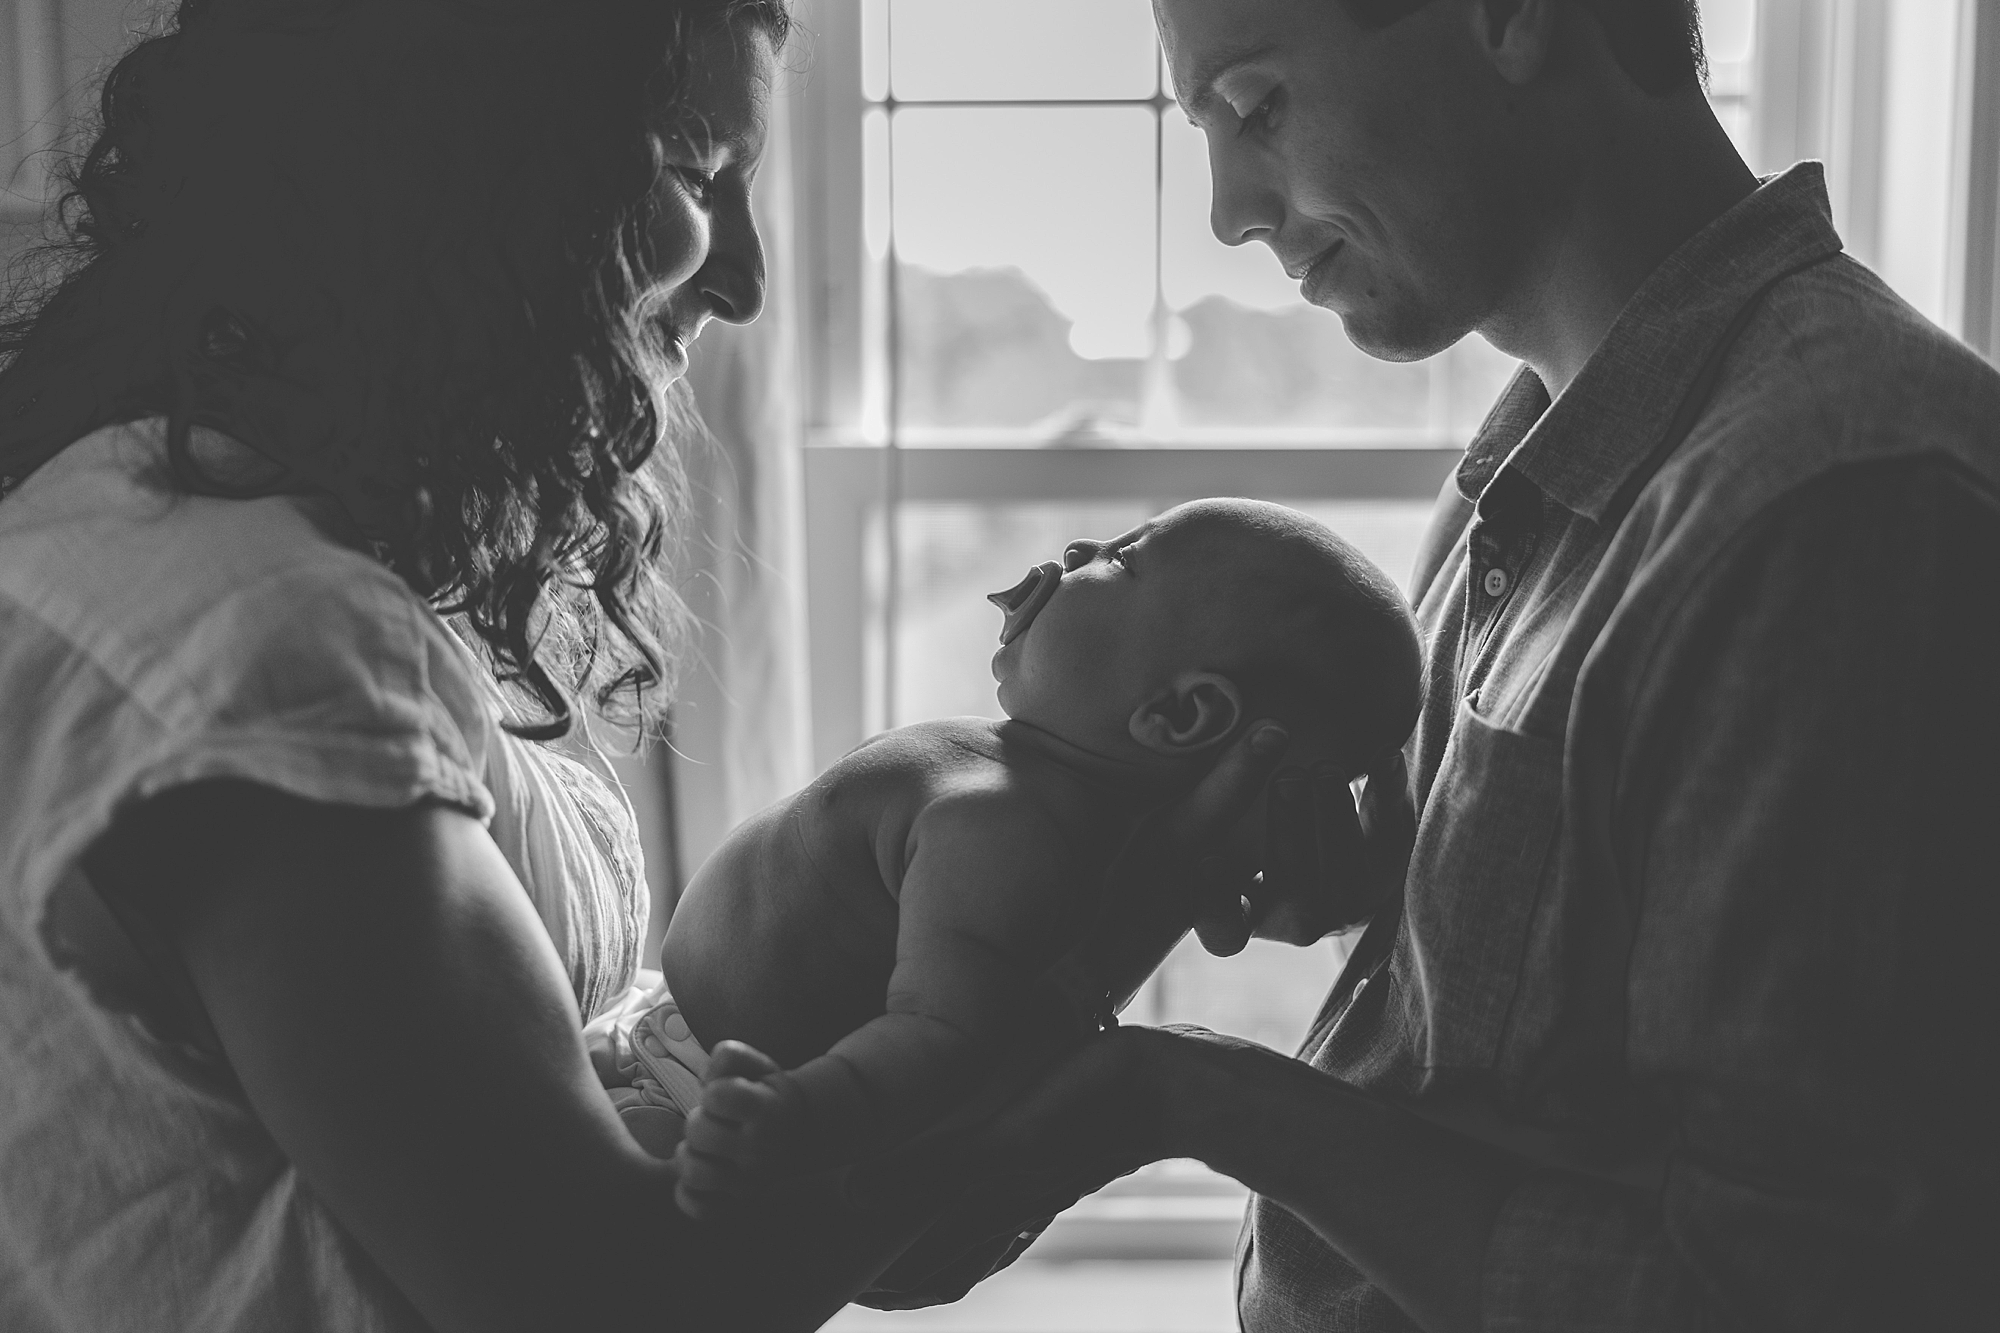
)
(401, 1024)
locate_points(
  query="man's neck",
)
(1656, 173)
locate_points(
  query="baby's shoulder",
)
(947, 752)
(947, 765)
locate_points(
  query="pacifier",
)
(1021, 602)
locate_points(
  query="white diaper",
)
(650, 1065)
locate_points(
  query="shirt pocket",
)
(1482, 850)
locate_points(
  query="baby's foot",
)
(747, 1131)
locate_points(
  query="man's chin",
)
(1384, 317)
(1388, 333)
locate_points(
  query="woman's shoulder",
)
(102, 544)
(215, 635)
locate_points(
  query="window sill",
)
(1173, 1210)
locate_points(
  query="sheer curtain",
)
(741, 736)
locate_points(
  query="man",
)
(1682, 1015)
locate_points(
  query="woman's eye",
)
(700, 184)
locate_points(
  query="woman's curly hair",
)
(408, 230)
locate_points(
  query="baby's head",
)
(1157, 647)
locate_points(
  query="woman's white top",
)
(148, 639)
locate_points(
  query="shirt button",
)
(1495, 581)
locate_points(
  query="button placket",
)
(1499, 547)
(1490, 577)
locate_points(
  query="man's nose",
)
(1243, 205)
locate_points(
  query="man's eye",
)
(1116, 556)
(1264, 116)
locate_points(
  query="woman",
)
(331, 488)
(329, 494)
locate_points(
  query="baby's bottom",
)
(650, 1065)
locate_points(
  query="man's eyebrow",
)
(1204, 76)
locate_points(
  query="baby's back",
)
(786, 937)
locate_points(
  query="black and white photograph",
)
(571, 569)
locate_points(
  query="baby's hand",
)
(750, 1129)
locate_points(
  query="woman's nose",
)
(1080, 553)
(733, 277)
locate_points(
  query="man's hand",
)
(749, 1131)
(1161, 885)
(1324, 866)
(1070, 1129)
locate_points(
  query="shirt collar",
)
(1581, 449)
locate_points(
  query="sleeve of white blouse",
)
(327, 679)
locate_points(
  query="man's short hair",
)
(1656, 42)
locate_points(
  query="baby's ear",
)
(1197, 712)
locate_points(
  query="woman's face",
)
(706, 253)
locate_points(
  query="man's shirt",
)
(1706, 884)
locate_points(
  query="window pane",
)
(1914, 241)
(952, 556)
(1093, 1296)
(1728, 28)
(957, 50)
(1729, 36)
(1025, 237)
(1268, 993)
(1246, 350)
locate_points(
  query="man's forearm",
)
(1409, 1204)
(816, 1252)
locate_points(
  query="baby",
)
(878, 935)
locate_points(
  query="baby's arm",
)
(990, 899)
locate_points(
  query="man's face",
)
(1377, 165)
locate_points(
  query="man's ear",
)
(1516, 36)
(1197, 712)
